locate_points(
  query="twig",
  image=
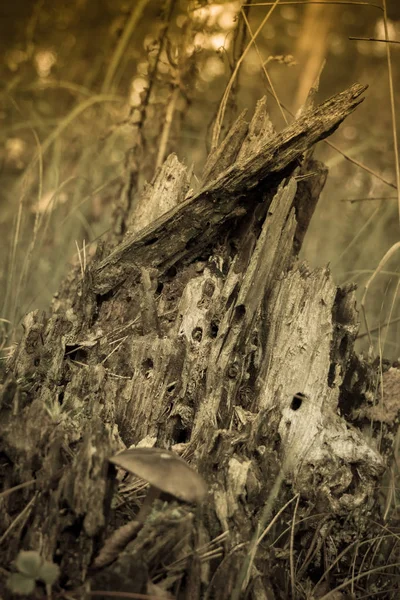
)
(373, 40)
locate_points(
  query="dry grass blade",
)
(370, 39)
(16, 239)
(114, 350)
(11, 270)
(162, 150)
(134, 595)
(116, 543)
(137, 10)
(243, 576)
(324, 2)
(382, 263)
(74, 114)
(333, 593)
(379, 327)
(370, 199)
(16, 488)
(390, 320)
(213, 549)
(392, 105)
(80, 260)
(291, 554)
(21, 517)
(357, 236)
(262, 62)
(356, 544)
(28, 257)
(329, 143)
(221, 111)
(360, 164)
(394, 475)
(352, 160)
(97, 190)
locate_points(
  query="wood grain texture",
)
(195, 223)
(201, 332)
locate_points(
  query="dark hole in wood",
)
(197, 334)
(5, 461)
(100, 298)
(331, 374)
(315, 572)
(213, 329)
(73, 531)
(233, 371)
(36, 362)
(147, 366)
(232, 296)
(160, 287)
(171, 272)
(76, 352)
(297, 401)
(208, 288)
(240, 311)
(245, 396)
(150, 242)
(181, 433)
(60, 398)
(343, 346)
(355, 482)
(191, 243)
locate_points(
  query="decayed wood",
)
(203, 334)
(195, 222)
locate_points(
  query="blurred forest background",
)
(89, 88)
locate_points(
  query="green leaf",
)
(49, 572)
(28, 562)
(20, 584)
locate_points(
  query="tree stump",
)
(200, 332)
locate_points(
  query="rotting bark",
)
(200, 332)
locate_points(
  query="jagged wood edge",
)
(195, 222)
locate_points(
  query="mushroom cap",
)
(164, 470)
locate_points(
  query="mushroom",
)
(166, 472)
